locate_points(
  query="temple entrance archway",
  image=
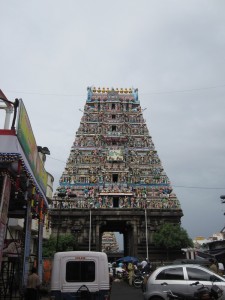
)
(136, 226)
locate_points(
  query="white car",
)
(183, 278)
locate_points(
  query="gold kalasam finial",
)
(106, 90)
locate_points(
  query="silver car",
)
(183, 278)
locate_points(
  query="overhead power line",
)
(174, 186)
(198, 187)
(45, 94)
(57, 159)
(147, 93)
(184, 90)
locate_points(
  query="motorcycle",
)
(140, 279)
(122, 274)
(203, 293)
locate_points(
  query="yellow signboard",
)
(27, 140)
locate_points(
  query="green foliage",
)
(172, 236)
(66, 242)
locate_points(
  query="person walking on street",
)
(33, 285)
(130, 269)
(144, 263)
(213, 266)
(147, 268)
(220, 269)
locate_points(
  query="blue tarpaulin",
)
(128, 259)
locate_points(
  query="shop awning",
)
(9, 147)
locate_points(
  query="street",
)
(121, 290)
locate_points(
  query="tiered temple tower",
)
(113, 168)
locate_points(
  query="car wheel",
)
(156, 298)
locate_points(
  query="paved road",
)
(122, 291)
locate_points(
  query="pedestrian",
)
(130, 269)
(33, 285)
(220, 269)
(114, 268)
(144, 263)
(213, 266)
(147, 268)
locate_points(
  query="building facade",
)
(24, 188)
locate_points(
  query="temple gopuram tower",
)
(114, 180)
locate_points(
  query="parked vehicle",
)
(121, 273)
(80, 274)
(201, 262)
(203, 293)
(183, 278)
(139, 279)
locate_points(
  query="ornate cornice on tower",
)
(105, 94)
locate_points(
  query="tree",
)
(66, 242)
(171, 237)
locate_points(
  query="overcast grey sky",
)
(172, 51)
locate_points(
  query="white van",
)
(80, 275)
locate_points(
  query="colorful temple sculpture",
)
(113, 164)
(109, 243)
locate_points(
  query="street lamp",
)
(222, 197)
(8, 108)
(43, 150)
(146, 233)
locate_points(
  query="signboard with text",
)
(27, 140)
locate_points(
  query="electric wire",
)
(174, 186)
(147, 93)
